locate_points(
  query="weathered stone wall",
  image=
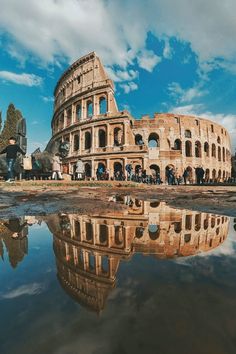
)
(86, 116)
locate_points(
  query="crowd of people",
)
(137, 174)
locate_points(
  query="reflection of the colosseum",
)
(88, 249)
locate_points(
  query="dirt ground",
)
(45, 197)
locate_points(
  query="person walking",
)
(11, 154)
(56, 167)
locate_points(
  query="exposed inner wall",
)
(86, 115)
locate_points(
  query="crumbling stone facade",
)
(86, 116)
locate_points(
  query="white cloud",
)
(121, 75)
(47, 99)
(129, 86)
(70, 28)
(185, 95)
(167, 52)
(147, 60)
(226, 120)
(28, 289)
(21, 79)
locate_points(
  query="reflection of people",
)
(11, 153)
(15, 227)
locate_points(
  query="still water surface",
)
(150, 279)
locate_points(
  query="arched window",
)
(102, 105)
(102, 138)
(89, 231)
(219, 175)
(76, 142)
(155, 170)
(213, 150)
(223, 154)
(214, 175)
(118, 137)
(188, 134)
(138, 139)
(87, 141)
(197, 222)
(188, 222)
(188, 148)
(219, 153)
(139, 232)
(177, 144)
(177, 226)
(218, 140)
(87, 168)
(68, 116)
(153, 140)
(105, 264)
(154, 232)
(119, 235)
(103, 234)
(118, 167)
(207, 175)
(198, 150)
(206, 149)
(89, 109)
(78, 111)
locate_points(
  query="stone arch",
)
(188, 148)
(155, 169)
(207, 175)
(178, 144)
(101, 167)
(102, 138)
(223, 154)
(89, 231)
(153, 140)
(218, 140)
(219, 175)
(223, 176)
(206, 149)
(139, 231)
(154, 231)
(118, 136)
(76, 142)
(188, 134)
(138, 139)
(88, 169)
(198, 149)
(213, 175)
(89, 108)
(102, 105)
(118, 168)
(188, 222)
(137, 168)
(219, 153)
(119, 235)
(68, 116)
(78, 111)
(197, 222)
(191, 175)
(87, 140)
(103, 234)
(154, 204)
(213, 150)
(178, 226)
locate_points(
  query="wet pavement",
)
(144, 278)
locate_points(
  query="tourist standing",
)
(56, 167)
(11, 154)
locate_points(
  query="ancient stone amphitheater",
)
(86, 116)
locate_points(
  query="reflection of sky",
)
(156, 306)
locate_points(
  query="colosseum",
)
(89, 249)
(87, 117)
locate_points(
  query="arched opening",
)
(206, 223)
(139, 231)
(89, 231)
(188, 222)
(170, 174)
(223, 154)
(219, 175)
(87, 169)
(138, 139)
(219, 153)
(137, 169)
(102, 141)
(177, 226)
(91, 262)
(100, 171)
(223, 175)
(118, 137)
(78, 111)
(155, 170)
(102, 105)
(76, 142)
(214, 175)
(213, 150)
(188, 134)
(154, 204)
(198, 150)
(77, 230)
(153, 231)
(68, 116)
(188, 148)
(197, 222)
(177, 144)
(218, 140)
(103, 234)
(119, 235)
(206, 149)
(207, 175)
(118, 171)
(105, 264)
(87, 140)
(153, 140)
(89, 109)
(187, 238)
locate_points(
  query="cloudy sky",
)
(164, 55)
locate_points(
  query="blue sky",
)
(163, 55)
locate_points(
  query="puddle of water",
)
(149, 279)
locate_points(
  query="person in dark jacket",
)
(11, 154)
